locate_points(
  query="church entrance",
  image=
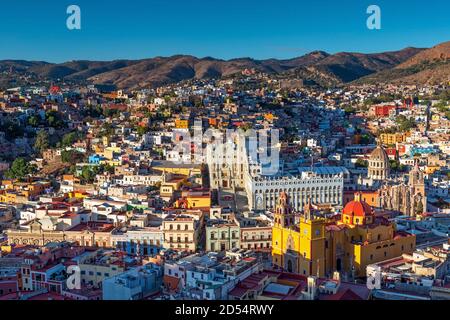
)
(289, 266)
(338, 264)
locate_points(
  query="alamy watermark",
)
(227, 147)
(74, 280)
(374, 20)
(374, 279)
(73, 22)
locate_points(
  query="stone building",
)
(378, 164)
(408, 198)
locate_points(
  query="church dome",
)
(379, 154)
(378, 164)
(357, 208)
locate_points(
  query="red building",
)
(384, 110)
(392, 153)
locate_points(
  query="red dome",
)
(358, 208)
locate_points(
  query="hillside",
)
(430, 66)
(316, 68)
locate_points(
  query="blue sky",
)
(133, 29)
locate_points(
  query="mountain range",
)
(410, 65)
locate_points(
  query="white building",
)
(324, 185)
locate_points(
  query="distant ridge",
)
(316, 68)
(430, 66)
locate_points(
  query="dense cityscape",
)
(93, 178)
(179, 178)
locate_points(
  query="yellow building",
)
(181, 124)
(182, 231)
(97, 266)
(320, 246)
(431, 169)
(175, 168)
(194, 199)
(111, 163)
(21, 192)
(298, 248)
(392, 138)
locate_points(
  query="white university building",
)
(323, 185)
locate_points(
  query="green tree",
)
(69, 138)
(34, 121)
(71, 156)
(87, 174)
(404, 123)
(349, 109)
(54, 119)
(361, 163)
(19, 169)
(12, 130)
(42, 141)
(141, 130)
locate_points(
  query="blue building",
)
(134, 284)
(95, 159)
(422, 150)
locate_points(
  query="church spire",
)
(308, 209)
(284, 215)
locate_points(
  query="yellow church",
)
(318, 246)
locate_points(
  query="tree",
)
(87, 174)
(361, 163)
(54, 119)
(69, 138)
(12, 130)
(395, 165)
(349, 109)
(404, 123)
(141, 130)
(33, 121)
(71, 156)
(19, 169)
(42, 141)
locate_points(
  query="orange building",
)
(372, 198)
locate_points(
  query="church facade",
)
(316, 245)
(408, 198)
(405, 193)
